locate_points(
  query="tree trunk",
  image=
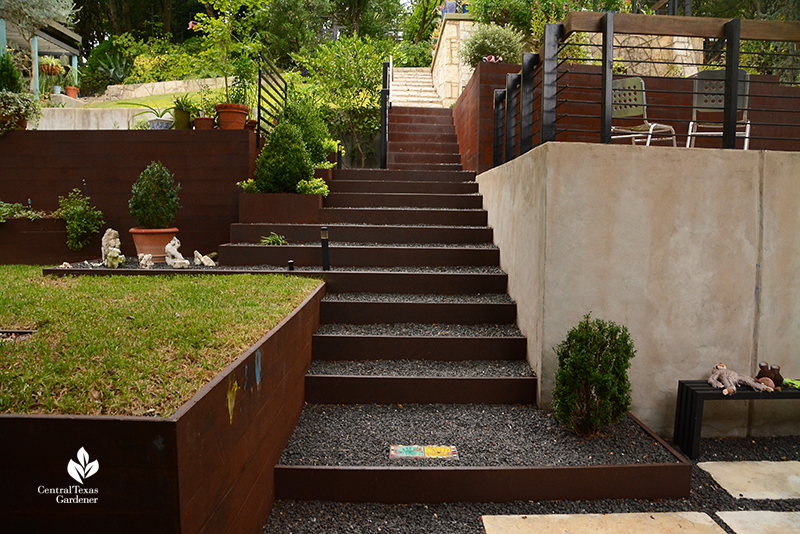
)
(112, 16)
(126, 15)
(166, 18)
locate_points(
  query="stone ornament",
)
(110, 249)
(174, 258)
(146, 261)
(200, 259)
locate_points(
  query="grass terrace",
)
(129, 345)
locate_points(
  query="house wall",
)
(700, 266)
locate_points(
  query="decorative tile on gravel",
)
(757, 480)
(652, 523)
(753, 522)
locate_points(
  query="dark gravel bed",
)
(334, 244)
(466, 368)
(464, 518)
(485, 435)
(484, 298)
(421, 330)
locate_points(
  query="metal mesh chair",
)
(628, 102)
(709, 99)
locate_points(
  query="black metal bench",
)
(692, 394)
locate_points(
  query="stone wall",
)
(702, 267)
(450, 73)
(139, 90)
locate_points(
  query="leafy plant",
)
(592, 389)
(185, 103)
(273, 239)
(72, 78)
(409, 54)
(10, 78)
(18, 211)
(154, 197)
(284, 161)
(315, 186)
(115, 66)
(208, 101)
(492, 40)
(17, 107)
(81, 218)
(248, 186)
(304, 111)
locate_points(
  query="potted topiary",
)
(154, 203)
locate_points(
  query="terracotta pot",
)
(232, 116)
(71, 91)
(21, 123)
(153, 241)
(251, 125)
(204, 123)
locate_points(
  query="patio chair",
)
(628, 102)
(709, 98)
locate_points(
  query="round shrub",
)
(154, 197)
(303, 112)
(592, 389)
(492, 40)
(284, 161)
(10, 78)
(81, 218)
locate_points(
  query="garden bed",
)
(207, 467)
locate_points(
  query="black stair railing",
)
(272, 91)
(385, 114)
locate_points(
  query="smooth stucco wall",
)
(667, 243)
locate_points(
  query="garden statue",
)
(174, 258)
(145, 261)
(721, 377)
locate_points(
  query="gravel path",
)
(421, 330)
(483, 298)
(464, 518)
(466, 368)
(485, 435)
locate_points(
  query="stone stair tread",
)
(484, 435)
(423, 368)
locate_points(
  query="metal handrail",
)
(272, 95)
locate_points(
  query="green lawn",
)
(129, 345)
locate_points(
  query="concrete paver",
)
(752, 522)
(652, 523)
(756, 480)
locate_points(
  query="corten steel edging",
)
(404, 216)
(389, 186)
(337, 389)
(438, 348)
(403, 176)
(344, 312)
(347, 256)
(166, 474)
(309, 233)
(417, 200)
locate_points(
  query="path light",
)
(323, 235)
(291, 265)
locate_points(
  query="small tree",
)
(30, 17)
(592, 389)
(154, 197)
(284, 161)
(492, 40)
(82, 220)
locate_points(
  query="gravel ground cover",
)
(484, 298)
(485, 435)
(464, 518)
(466, 368)
(334, 244)
(422, 330)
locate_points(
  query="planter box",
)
(279, 208)
(42, 242)
(207, 468)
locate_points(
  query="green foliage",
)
(10, 78)
(421, 23)
(185, 103)
(515, 14)
(492, 40)
(408, 54)
(305, 112)
(158, 60)
(17, 106)
(93, 79)
(592, 389)
(18, 211)
(248, 186)
(348, 73)
(81, 218)
(154, 197)
(284, 161)
(115, 66)
(273, 239)
(291, 26)
(316, 186)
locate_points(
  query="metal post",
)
(732, 33)
(512, 102)
(3, 39)
(672, 7)
(385, 114)
(35, 64)
(552, 32)
(606, 111)
(529, 62)
(687, 8)
(499, 115)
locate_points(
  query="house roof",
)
(54, 40)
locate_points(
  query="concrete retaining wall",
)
(695, 251)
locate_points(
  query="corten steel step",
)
(309, 233)
(414, 128)
(425, 166)
(421, 137)
(443, 217)
(394, 186)
(368, 312)
(332, 347)
(403, 200)
(410, 110)
(443, 175)
(422, 157)
(332, 389)
(422, 120)
(356, 256)
(414, 147)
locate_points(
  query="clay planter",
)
(153, 241)
(183, 121)
(204, 123)
(279, 208)
(71, 91)
(232, 116)
(251, 125)
(206, 468)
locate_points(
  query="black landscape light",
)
(323, 235)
